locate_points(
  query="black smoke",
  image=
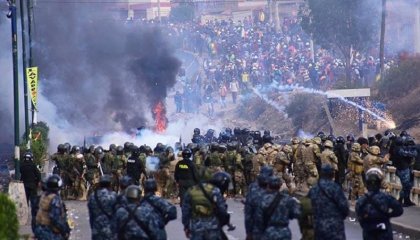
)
(100, 71)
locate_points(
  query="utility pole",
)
(24, 64)
(30, 10)
(159, 17)
(13, 17)
(382, 41)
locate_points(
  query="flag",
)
(32, 76)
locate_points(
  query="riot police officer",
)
(185, 173)
(101, 206)
(375, 208)
(135, 167)
(204, 210)
(51, 219)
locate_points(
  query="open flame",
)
(159, 114)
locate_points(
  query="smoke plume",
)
(102, 74)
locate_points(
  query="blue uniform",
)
(140, 225)
(253, 198)
(373, 212)
(163, 211)
(199, 214)
(330, 208)
(101, 205)
(275, 224)
(51, 219)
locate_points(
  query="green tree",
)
(39, 142)
(345, 26)
(9, 225)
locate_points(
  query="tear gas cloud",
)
(98, 74)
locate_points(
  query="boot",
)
(408, 202)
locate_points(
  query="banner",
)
(32, 77)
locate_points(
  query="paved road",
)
(78, 212)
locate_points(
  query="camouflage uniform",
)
(141, 225)
(117, 168)
(51, 219)
(275, 224)
(280, 165)
(373, 209)
(298, 162)
(356, 178)
(253, 199)
(80, 183)
(199, 214)
(328, 157)
(107, 162)
(59, 159)
(310, 156)
(371, 161)
(92, 171)
(306, 219)
(233, 166)
(163, 175)
(101, 205)
(214, 162)
(330, 208)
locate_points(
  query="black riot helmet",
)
(150, 186)
(237, 131)
(159, 148)
(340, 140)
(112, 148)
(61, 148)
(210, 132)
(120, 150)
(135, 151)
(133, 193)
(350, 138)
(245, 131)
(99, 150)
(197, 131)
(67, 146)
(54, 183)
(90, 149)
(127, 146)
(75, 149)
(221, 180)
(331, 138)
(28, 156)
(404, 134)
(374, 178)
(257, 134)
(267, 132)
(186, 153)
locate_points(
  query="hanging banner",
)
(32, 76)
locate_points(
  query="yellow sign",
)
(32, 76)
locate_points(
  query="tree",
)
(345, 26)
(9, 225)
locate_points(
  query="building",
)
(143, 9)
